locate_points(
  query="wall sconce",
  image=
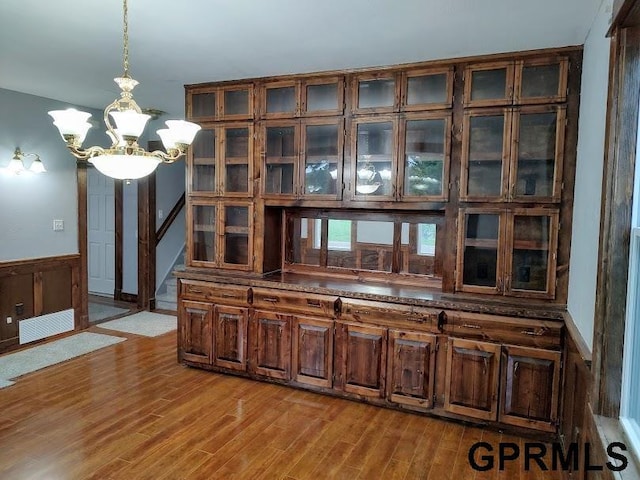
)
(16, 165)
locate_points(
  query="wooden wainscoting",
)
(577, 425)
(34, 287)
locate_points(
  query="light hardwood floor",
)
(131, 412)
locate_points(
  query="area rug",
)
(35, 358)
(98, 311)
(147, 324)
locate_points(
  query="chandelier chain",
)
(125, 53)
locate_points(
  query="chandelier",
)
(124, 159)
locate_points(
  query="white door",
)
(100, 233)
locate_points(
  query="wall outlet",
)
(9, 320)
(160, 214)
(58, 225)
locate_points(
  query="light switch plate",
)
(58, 225)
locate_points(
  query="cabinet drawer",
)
(301, 302)
(496, 328)
(390, 314)
(215, 292)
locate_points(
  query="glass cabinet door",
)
(541, 80)
(280, 175)
(322, 150)
(485, 155)
(323, 97)
(375, 93)
(537, 153)
(427, 89)
(202, 105)
(203, 155)
(281, 99)
(203, 234)
(425, 157)
(238, 148)
(530, 259)
(488, 84)
(479, 266)
(374, 143)
(237, 102)
(237, 236)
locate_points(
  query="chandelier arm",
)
(168, 157)
(85, 154)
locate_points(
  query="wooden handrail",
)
(170, 218)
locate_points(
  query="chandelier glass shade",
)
(125, 122)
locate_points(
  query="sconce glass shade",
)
(37, 166)
(16, 166)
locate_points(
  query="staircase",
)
(167, 294)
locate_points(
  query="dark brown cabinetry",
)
(390, 235)
(312, 347)
(530, 384)
(362, 358)
(270, 335)
(471, 385)
(195, 343)
(411, 362)
(230, 334)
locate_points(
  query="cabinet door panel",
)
(196, 339)
(271, 334)
(230, 337)
(411, 367)
(313, 351)
(530, 380)
(471, 386)
(363, 359)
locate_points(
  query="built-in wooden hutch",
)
(397, 235)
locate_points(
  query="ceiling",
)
(70, 50)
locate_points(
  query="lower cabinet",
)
(530, 387)
(471, 385)
(230, 337)
(195, 336)
(411, 362)
(375, 356)
(528, 379)
(362, 358)
(270, 335)
(312, 347)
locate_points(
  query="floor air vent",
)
(45, 326)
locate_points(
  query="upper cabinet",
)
(401, 158)
(513, 154)
(302, 158)
(375, 93)
(532, 81)
(301, 98)
(220, 161)
(234, 102)
(409, 90)
(426, 89)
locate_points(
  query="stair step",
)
(172, 289)
(180, 266)
(166, 297)
(162, 305)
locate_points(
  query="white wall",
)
(586, 210)
(30, 203)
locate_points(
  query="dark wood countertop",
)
(387, 292)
